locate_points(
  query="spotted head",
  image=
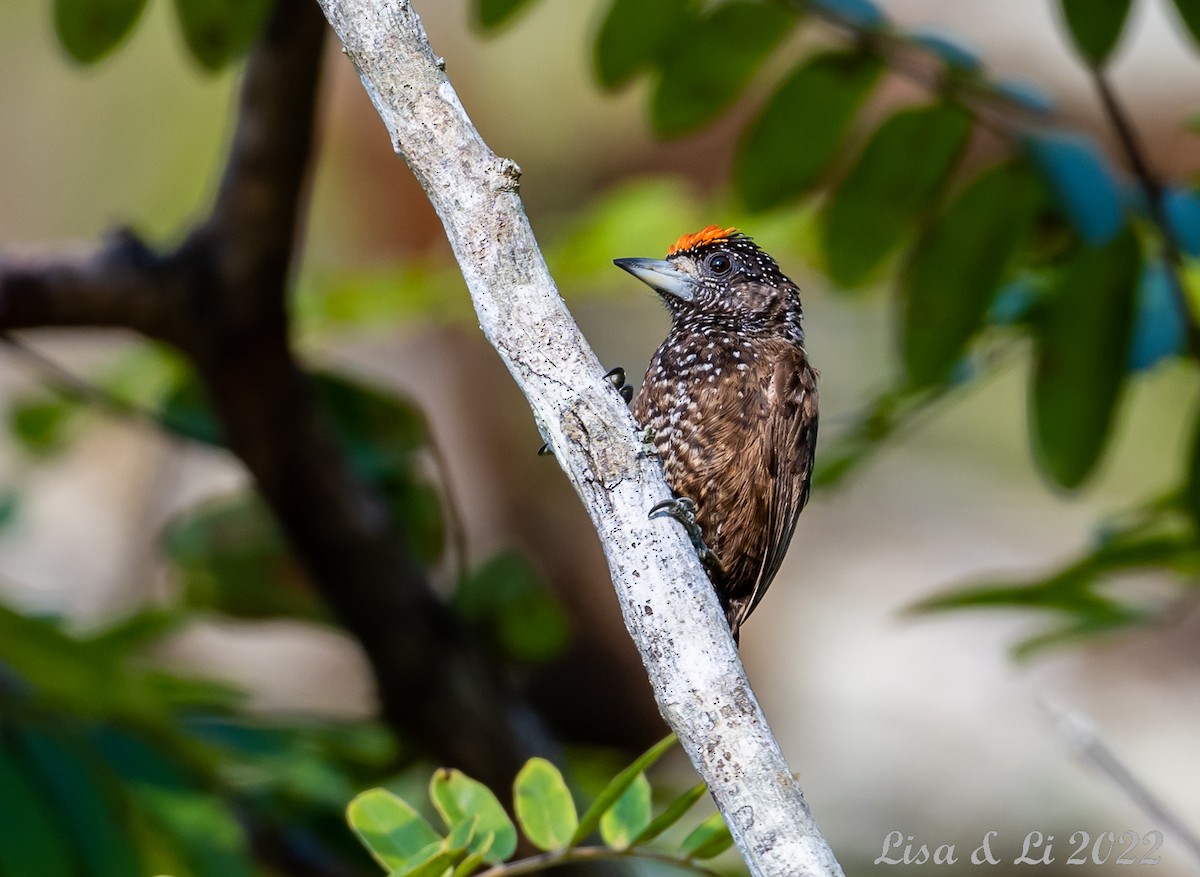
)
(719, 276)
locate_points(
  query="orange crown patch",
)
(711, 234)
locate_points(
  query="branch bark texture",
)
(667, 601)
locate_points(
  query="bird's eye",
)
(719, 264)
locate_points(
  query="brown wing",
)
(788, 442)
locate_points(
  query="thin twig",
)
(1152, 188)
(66, 383)
(1081, 734)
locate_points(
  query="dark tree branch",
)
(221, 297)
(122, 285)
(1135, 154)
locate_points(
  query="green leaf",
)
(901, 170)
(1191, 488)
(776, 162)
(90, 29)
(207, 835)
(233, 558)
(184, 409)
(470, 864)
(1095, 26)
(220, 31)
(40, 423)
(636, 35)
(509, 599)
(32, 840)
(544, 805)
(629, 816)
(83, 805)
(435, 865)
(709, 839)
(1082, 352)
(672, 814)
(1189, 11)
(1072, 592)
(458, 799)
(617, 787)
(490, 15)
(712, 61)
(381, 430)
(958, 265)
(393, 832)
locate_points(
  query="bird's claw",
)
(616, 377)
(683, 510)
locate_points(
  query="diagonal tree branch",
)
(669, 607)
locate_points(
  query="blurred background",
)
(924, 723)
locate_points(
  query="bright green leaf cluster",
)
(479, 832)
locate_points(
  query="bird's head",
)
(720, 276)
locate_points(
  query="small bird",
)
(730, 402)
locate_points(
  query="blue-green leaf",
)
(712, 60)
(859, 13)
(1159, 327)
(1082, 181)
(1182, 209)
(1025, 94)
(900, 172)
(791, 143)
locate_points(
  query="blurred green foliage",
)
(109, 766)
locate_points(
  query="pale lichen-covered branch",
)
(668, 604)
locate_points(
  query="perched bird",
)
(730, 402)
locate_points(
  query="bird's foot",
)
(683, 510)
(616, 377)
